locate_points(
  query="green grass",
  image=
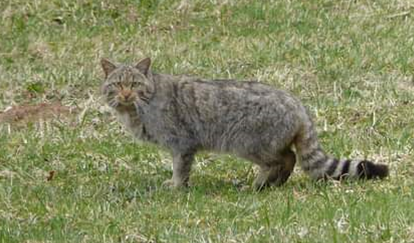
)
(351, 62)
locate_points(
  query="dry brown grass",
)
(24, 114)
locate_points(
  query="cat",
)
(248, 119)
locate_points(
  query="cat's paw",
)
(171, 184)
(168, 184)
(260, 186)
(261, 182)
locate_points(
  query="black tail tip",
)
(369, 170)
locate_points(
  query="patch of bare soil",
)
(32, 113)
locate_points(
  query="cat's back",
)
(213, 100)
(223, 101)
(239, 93)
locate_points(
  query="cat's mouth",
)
(126, 99)
(117, 102)
(126, 102)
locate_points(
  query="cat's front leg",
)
(181, 170)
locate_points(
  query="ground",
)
(69, 173)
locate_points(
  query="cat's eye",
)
(133, 85)
(115, 84)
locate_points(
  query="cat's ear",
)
(144, 65)
(107, 66)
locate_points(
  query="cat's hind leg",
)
(287, 162)
(181, 170)
(277, 171)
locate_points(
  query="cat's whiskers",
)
(113, 103)
(145, 99)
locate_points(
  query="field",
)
(70, 173)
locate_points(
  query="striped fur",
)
(321, 166)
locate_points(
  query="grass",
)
(351, 62)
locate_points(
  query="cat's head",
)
(126, 85)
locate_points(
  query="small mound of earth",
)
(32, 113)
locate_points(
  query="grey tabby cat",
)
(248, 119)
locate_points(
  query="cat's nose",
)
(126, 94)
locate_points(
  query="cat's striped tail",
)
(318, 165)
